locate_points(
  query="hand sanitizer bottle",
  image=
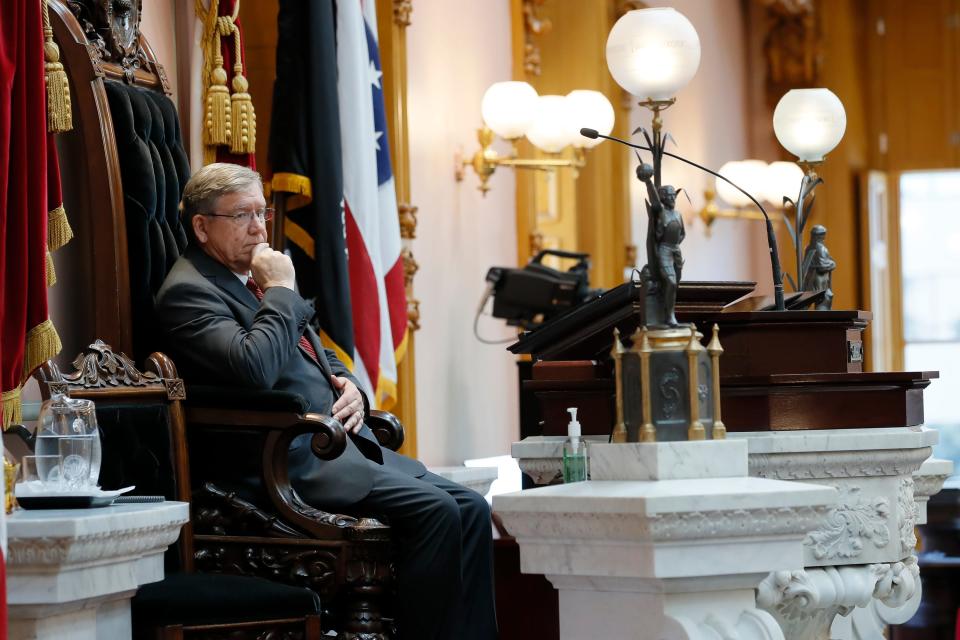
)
(574, 452)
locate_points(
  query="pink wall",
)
(466, 391)
(157, 22)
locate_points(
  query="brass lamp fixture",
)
(809, 123)
(513, 110)
(771, 182)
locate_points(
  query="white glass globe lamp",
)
(781, 179)
(809, 123)
(749, 175)
(508, 108)
(550, 130)
(653, 53)
(589, 109)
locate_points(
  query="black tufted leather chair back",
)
(154, 169)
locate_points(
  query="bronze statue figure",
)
(665, 232)
(818, 266)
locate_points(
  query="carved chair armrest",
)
(329, 437)
(387, 428)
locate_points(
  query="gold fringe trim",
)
(298, 186)
(59, 232)
(386, 393)
(299, 236)
(51, 272)
(337, 349)
(59, 113)
(12, 411)
(43, 343)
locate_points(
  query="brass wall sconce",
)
(513, 110)
(771, 182)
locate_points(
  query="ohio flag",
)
(377, 294)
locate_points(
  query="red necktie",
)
(257, 291)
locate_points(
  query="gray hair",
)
(208, 184)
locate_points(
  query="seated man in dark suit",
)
(231, 314)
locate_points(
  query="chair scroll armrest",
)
(387, 428)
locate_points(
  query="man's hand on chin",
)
(272, 268)
(348, 408)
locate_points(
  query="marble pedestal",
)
(71, 573)
(861, 569)
(860, 566)
(667, 541)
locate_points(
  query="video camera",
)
(529, 296)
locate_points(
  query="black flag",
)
(305, 158)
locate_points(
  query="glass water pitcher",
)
(67, 428)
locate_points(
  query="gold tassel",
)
(59, 232)
(59, 115)
(217, 130)
(243, 131)
(12, 413)
(43, 343)
(51, 272)
(243, 120)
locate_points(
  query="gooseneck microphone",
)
(593, 134)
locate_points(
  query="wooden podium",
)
(780, 370)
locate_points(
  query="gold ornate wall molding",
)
(534, 24)
(792, 47)
(393, 18)
(401, 12)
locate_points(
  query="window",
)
(930, 259)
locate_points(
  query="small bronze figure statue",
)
(665, 232)
(818, 266)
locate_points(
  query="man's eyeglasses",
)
(244, 218)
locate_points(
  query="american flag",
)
(378, 298)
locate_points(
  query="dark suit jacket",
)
(218, 333)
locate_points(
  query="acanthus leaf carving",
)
(909, 512)
(854, 521)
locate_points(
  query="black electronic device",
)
(526, 297)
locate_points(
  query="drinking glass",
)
(76, 454)
(40, 474)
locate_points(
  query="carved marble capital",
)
(541, 470)
(807, 602)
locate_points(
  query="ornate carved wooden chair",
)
(127, 236)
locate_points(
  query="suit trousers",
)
(445, 546)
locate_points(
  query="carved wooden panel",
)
(113, 28)
(791, 47)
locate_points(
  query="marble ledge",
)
(81, 523)
(800, 441)
(648, 498)
(477, 478)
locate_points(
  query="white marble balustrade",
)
(670, 546)
(860, 571)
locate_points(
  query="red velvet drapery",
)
(27, 337)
